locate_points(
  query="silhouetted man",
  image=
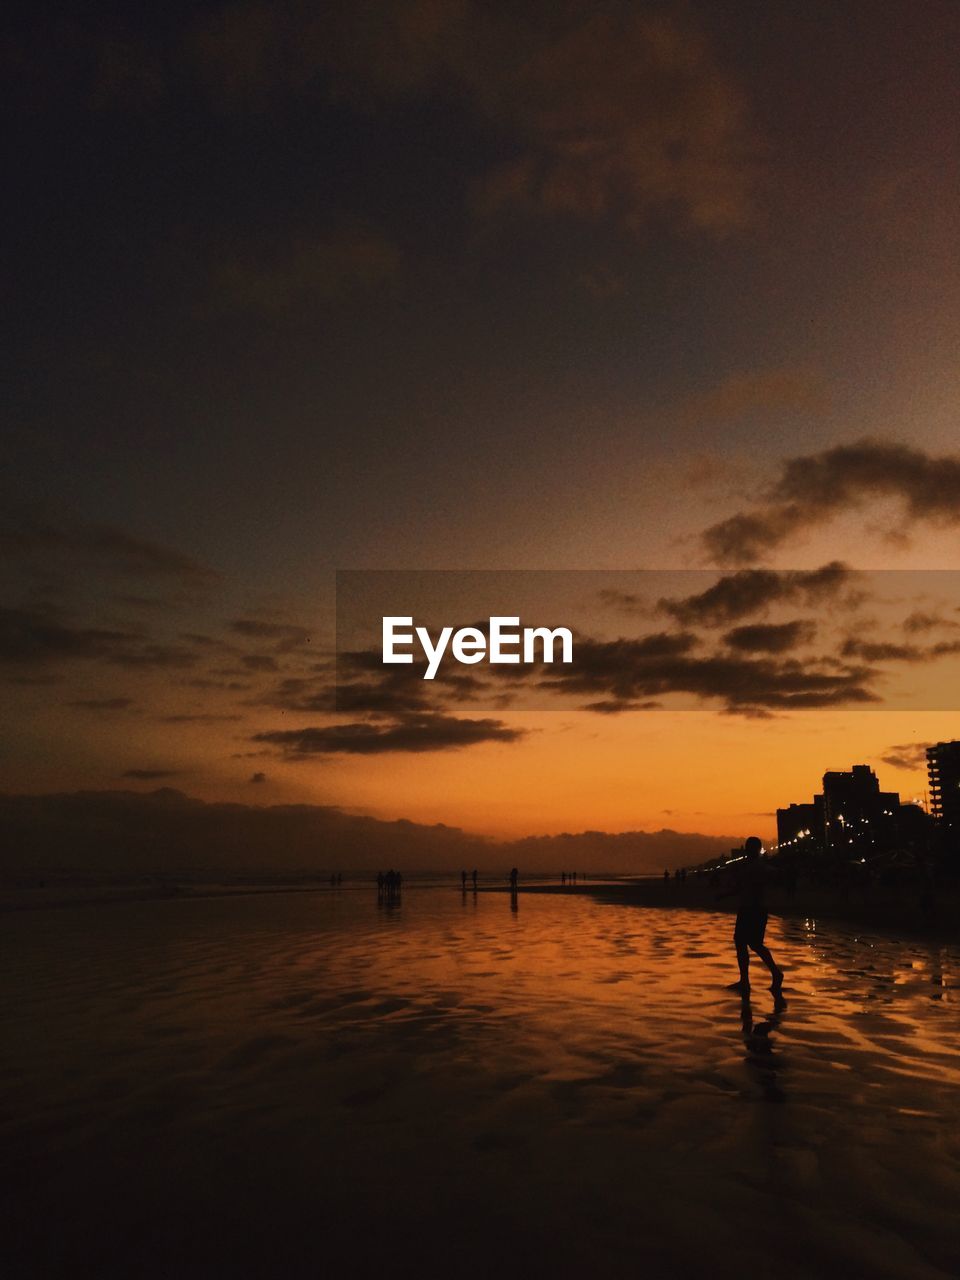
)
(752, 919)
(474, 880)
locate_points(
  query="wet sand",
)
(315, 1084)
(901, 908)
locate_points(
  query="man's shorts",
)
(750, 927)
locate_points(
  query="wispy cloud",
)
(150, 775)
(112, 548)
(308, 268)
(751, 591)
(102, 704)
(908, 755)
(607, 113)
(751, 391)
(419, 733)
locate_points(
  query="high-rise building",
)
(858, 818)
(800, 826)
(943, 768)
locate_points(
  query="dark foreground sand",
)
(312, 1085)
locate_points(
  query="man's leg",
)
(743, 961)
(765, 955)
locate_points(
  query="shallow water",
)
(317, 1083)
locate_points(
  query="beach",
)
(306, 1083)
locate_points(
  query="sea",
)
(455, 1084)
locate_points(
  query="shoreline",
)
(880, 908)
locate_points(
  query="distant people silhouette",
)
(474, 880)
(563, 877)
(514, 877)
(389, 890)
(463, 881)
(752, 919)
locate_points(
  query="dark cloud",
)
(150, 775)
(627, 601)
(625, 671)
(907, 755)
(885, 651)
(920, 622)
(607, 112)
(281, 631)
(153, 604)
(624, 114)
(150, 654)
(434, 732)
(297, 693)
(259, 662)
(748, 712)
(321, 267)
(771, 637)
(768, 391)
(113, 548)
(224, 686)
(102, 704)
(202, 641)
(749, 591)
(198, 718)
(814, 488)
(31, 637)
(614, 707)
(365, 687)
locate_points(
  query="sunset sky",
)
(434, 284)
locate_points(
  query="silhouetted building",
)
(853, 818)
(858, 818)
(800, 826)
(913, 827)
(943, 768)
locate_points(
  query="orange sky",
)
(610, 288)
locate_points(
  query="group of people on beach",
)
(389, 886)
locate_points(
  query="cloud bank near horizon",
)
(167, 831)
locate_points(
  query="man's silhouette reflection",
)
(761, 1055)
